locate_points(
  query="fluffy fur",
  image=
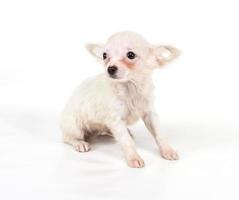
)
(107, 104)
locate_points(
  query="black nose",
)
(112, 70)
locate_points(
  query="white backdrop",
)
(42, 59)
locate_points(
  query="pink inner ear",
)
(165, 54)
(160, 60)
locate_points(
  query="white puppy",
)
(108, 103)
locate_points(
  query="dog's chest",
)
(134, 101)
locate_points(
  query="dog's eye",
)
(104, 55)
(131, 55)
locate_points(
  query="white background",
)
(42, 59)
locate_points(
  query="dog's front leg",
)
(122, 135)
(151, 121)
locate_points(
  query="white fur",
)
(105, 105)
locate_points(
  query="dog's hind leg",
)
(74, 135)
(79, 144)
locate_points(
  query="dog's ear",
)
(164, 54)
(95, 49)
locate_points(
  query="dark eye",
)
(131, 55)
(104, 55)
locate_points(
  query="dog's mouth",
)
(117, 78)
(113, 76)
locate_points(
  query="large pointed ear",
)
(95, 49)
(165, 53)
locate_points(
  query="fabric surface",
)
(35, 164)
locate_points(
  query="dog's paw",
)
(168, 152)
(135, 162)
(82, 146)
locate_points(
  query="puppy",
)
(108, 103)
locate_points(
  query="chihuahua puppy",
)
(108, 103)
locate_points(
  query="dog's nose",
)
(112, 70)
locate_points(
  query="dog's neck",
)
(135, 95)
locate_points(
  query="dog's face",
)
(127, 55)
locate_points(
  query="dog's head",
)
(127, 54)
